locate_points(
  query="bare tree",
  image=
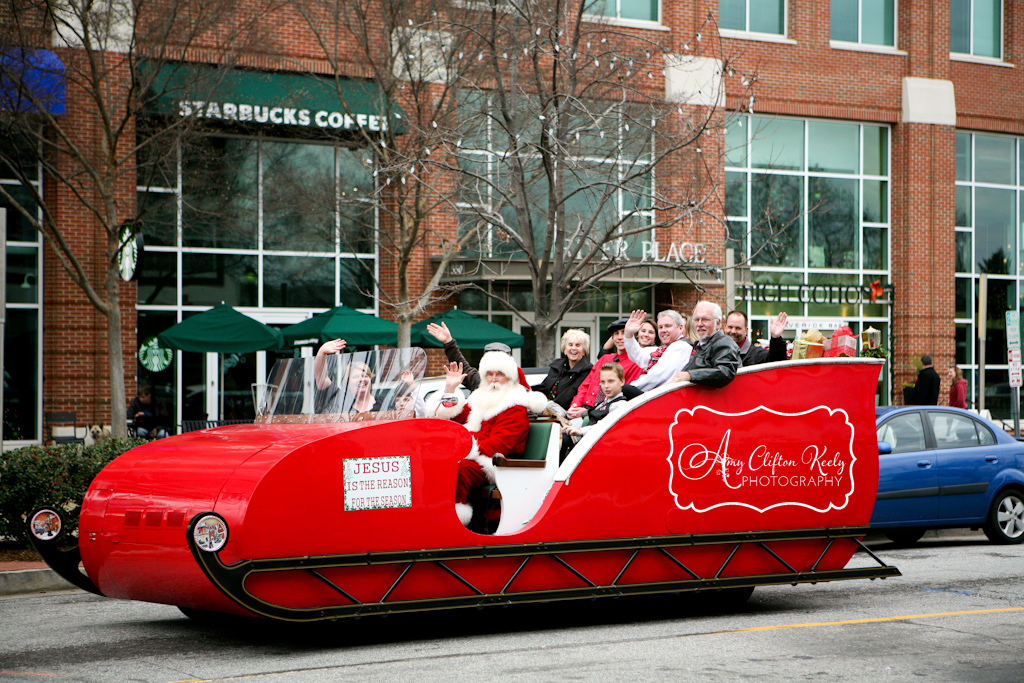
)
(112, 52)
(528, 131)
(418, 64)
(569, 153)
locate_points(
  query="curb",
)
(32, 581)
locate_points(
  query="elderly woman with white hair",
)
(566, 373)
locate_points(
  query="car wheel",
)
(1006, 518)
(904, 537)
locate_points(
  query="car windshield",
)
(371, 385)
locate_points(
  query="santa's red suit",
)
(496, 417)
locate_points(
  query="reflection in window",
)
(963, 251)
(298, 196)
(1001, 296)
(209, 279)
(22, 275)
(776, 239)
(904, 433)
(21, 374)
(298, 281)
(833, 147)
(976, 27)
(356, 283)
(876, 248)
(19, 228)
(757, 16)
(995, 230)
(644, 10)
(871, 22)
(777, 144)
(158, 279)
(833, 203)
(219, 192)
(158, 218)
(994, 159)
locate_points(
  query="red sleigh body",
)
(771, 479)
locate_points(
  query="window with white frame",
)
(989, 206)
(976, 28)
(255, 222)
(640, 10)
(864, 22)
(807, 204)
(22, 362)
(603, 166)
(753, 16)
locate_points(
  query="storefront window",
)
(220, 192)
(618, 153)
(22, 374)
(210, 279)
(298, 281)
(990, 196)
(810, 217)
(299, 196)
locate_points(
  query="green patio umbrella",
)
(342, 322)
(470, 331)
(221, 329)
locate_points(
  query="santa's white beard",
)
(490, 396)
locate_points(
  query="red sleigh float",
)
(770, 480)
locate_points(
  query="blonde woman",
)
(565, 374)
(958, 388)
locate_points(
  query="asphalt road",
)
(957, 614)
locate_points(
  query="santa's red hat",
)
(499, 361)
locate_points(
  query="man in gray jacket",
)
(716, 357)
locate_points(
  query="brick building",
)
(871, 171)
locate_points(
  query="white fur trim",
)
(537, 402)
(485, 462)
(435, 409)
(465, 513)
(499, 361)
(483, 407)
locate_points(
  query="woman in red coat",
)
(958, 389)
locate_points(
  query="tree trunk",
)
(546, 351)
(404, 333)
(118, 405)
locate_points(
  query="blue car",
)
(946, 467)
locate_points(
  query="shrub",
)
(53, 476)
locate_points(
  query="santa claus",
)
(495, 414)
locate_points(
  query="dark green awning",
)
(220, 329)
(267, 98)
(468, 330)
(341, 322)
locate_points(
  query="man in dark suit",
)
(926, 389)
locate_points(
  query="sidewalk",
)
(17, 578)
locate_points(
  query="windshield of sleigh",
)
(345, 387)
